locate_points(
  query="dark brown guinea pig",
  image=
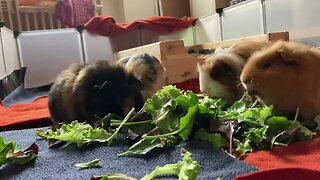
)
(219, 74)
(286, 75)
(82, 91)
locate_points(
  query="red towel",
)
(25, 115)
(106, 25)
(299, 154)
(282, 174)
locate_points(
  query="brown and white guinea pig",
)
(219, 74)
(286, 75)
(82, 91)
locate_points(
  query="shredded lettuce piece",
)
(87, 164)
(9, 153)
(76, 133)
(186, 169)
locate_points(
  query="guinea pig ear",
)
(289, 58)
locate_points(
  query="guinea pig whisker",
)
(100, 87)
(239, 84)
(103, 84)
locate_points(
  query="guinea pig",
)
(219, 74)
(148, 69)
(83, 91)
(286, 75)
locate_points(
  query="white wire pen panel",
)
(26, 15)
(96, 47)
(10, 52)
(46, 53)
(2, 65)
(243, 20)
(208, 29)
(300, 18)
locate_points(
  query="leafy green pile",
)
(184, 169)
(9, 153)
(172, 115)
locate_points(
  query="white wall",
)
(300, 17)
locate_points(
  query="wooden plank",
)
(264, 37)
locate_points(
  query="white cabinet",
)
(208, 29)
(96, 47)
(242, 20)
(46, 53)
(9, 53)
(300, 18)
(200, 8)
(2, 66)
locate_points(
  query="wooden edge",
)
(263, 37)
(144, 48)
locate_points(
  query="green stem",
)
(122, 123)
(163, 135)
(130, 123)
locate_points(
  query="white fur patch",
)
(211, 87)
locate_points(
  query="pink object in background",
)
(73, 13)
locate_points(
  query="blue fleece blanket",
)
(60, 163)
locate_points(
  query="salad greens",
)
(172, 115)
(185, 169)
(9, 153)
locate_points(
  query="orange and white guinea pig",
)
(286, 75)
(219, 74)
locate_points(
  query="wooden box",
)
(179, 64)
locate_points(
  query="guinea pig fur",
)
(219, 74)
(286, 75)
(82, 91)
(148, 69)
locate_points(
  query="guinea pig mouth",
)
(252, 92)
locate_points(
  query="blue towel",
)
(60, 163)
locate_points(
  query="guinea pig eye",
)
(215, 74)
(266, 65)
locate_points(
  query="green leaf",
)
(317, 120)
(215, 139)
(186, 122)
(144, 146)
(242, 148)
(160, 98)
(257, 135)
(87, 164)
(186, 169)
(4, 149)
(76, 133)
(277, 124)
(9, 153)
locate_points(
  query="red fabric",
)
(299, 154)
(106, 25)
(192, 84)
(25, 115)
(282, 174)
